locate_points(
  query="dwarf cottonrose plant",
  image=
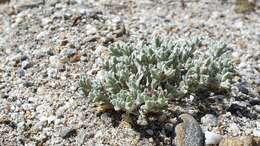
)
(141, 78)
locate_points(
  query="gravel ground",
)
(45, 47)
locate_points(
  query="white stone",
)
(90, 29)
(257, 108)
(212, 138)
(256, 132)
(54, 61)
(100, 75)
(51, 119)
(52, 72)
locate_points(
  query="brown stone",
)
(64, 60)
(4, 1)
(237, 141)
(243, 6)
(258, 89)
(102, 107)
(256, 141)
(75, 58)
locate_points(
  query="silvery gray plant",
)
(141, 78)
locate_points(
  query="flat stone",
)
(149, 131)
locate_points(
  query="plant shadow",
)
(161, 132)
(158, 132)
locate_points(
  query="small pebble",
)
(26, 64)
(20, 73)
(28, 84)
(50, 52)
(52, 73)
(64, 42)
(24, 57)
(68, 132)
(71, 52)
(243, 89)
(150, 132)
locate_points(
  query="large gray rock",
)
(189, 132)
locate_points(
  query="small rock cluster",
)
(189, 133)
